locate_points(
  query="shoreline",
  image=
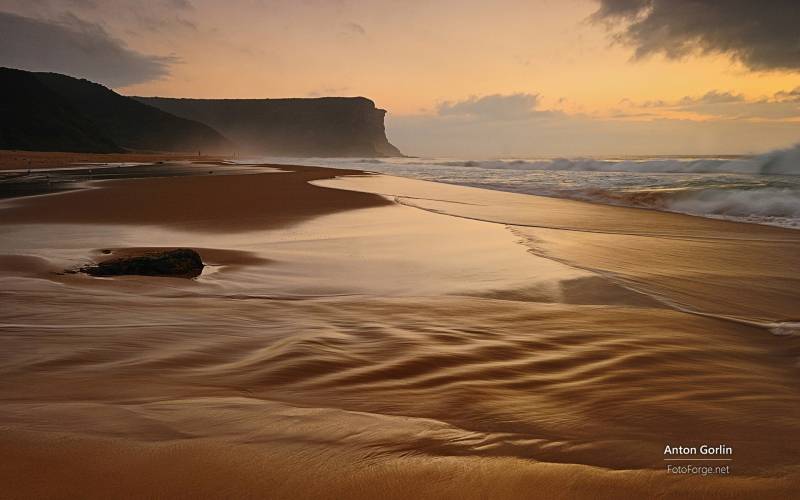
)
(12, 161)
(748, 197)
(18, 211)
(75, 204)
(363, 335)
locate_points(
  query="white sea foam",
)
(786, 329)
(763, 189)
(779, 162)
(766, 205)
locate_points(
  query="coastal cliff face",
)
(54, 112)
(328, 126)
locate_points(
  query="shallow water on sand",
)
(405, 350)
(759, 190)
(746, 272)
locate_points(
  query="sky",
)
(506, 78)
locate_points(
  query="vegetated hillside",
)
(35, 118)
(54, 112)
(132, 124)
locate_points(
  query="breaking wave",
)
(762, 189)
(769, 205)
(779, 162)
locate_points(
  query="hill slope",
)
(54, 112)
(34, 118)
(328, 126)
(132, 124)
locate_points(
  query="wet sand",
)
(747, 272)
(239, 203)
(367, 335)
(20, 160)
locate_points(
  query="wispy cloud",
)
(716, 104)
(355, 28)
(495, 107)
(76, 47)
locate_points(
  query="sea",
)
(758, 189)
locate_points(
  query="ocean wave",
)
(763, 189)
(783, 203)
(768, 205)
(779, 162)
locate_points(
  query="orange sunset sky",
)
(466, 78)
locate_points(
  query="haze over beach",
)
(274, 249)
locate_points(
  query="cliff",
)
(54, 112)
(328, 126)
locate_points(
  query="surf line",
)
(784, 328)
(666, 236)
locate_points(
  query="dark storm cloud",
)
(130, 18)
(77, 48)
(762, 35)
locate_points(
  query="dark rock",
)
(182, 262)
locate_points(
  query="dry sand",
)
(429, 341)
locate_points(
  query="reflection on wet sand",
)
(438, 346)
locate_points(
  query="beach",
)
(13, 160)
(360, 335)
